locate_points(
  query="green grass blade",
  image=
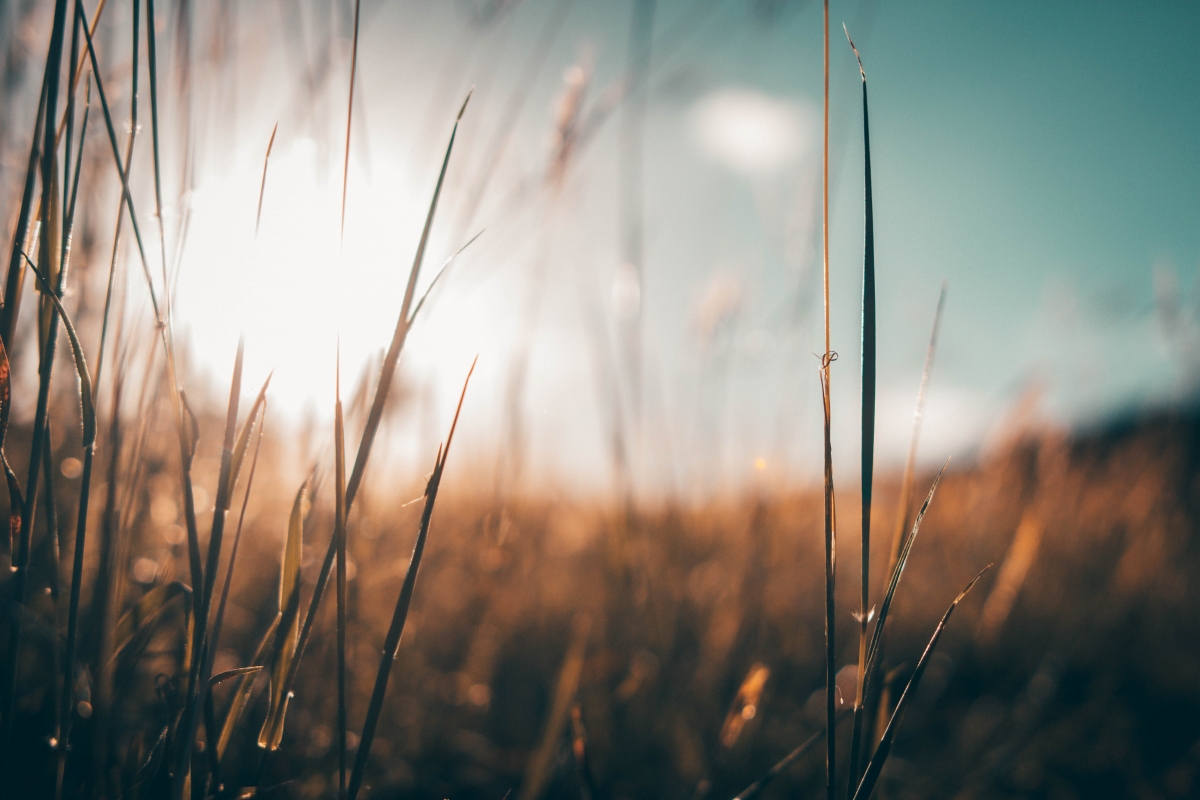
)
(396, 629)
(868, 421)
(871, 775)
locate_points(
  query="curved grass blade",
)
(221, 677)
(871, 775)
(145, 611)
(868, 420)
(287, 636)
(85, 382)
(396, 629)
(241, 695)
(262, 189)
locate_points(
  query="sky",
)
(1039, 159)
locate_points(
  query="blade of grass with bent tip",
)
(871, 775)
(868, 419)
(392, 642)
(386, 373)
(287, 635)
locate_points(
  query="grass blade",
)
(15, 499)
(349, 114)
(540, 762)
(386, 373)
(868, 420)
(221, 677)
(87, 408)
(241, 695)
(886, 605)
(145, 611)
(781, 766)
(262, 189)
(396, 629)
(830, 509)
(287, 636)
(339, 534)
(871, 775)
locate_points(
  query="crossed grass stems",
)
(172, 763)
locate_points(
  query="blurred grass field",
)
(164, 633)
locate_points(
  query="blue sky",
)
(1039, 157)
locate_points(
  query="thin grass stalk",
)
(122, 173)
(152, 64)
(830, 510)
(49, 205)
(202, 664)
(781, 766)
(349, 115)
(339, 533)
(386, 373)
(13, 281)
(883, 699)
(868, 425)
(396, 629)
(215, 782)
(886, 605)
(871, 775)
(69, 117)
(262, 189)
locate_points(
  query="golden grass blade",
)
(243, 441)
(886, 605)
(145, 611)
(287, 636)
(538, 768)
(871, 775)
(241, 695)
(830, 582)
(262, 189)
(15, 499)
(237, 672)
(349, 113)
(339, 534)
(396, 629)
